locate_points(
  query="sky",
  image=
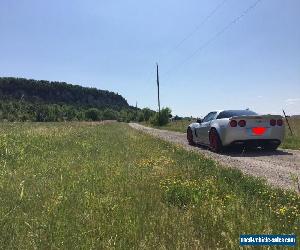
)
(212, 54)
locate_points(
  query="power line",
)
(215, 36)
(197, 28)
(188, 36)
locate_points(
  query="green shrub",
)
(92, 114)
(147, 113)
(109, 114)
(162, 118)
(140, 116)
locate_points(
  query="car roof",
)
(231, 110)
(227, 110)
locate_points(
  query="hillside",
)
(47, 92)
(43, 101)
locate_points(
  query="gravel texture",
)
(276, 167)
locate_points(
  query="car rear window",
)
(231, 113)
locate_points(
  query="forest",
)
(44, 101)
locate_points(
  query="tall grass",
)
(81, 185)
(292, 141)
(177, 126)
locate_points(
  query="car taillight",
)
(242, 123)
(272, 122)
(279, 122)
(233, 123)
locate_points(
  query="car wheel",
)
(189, 136)
(215, 143)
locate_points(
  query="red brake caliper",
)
(189, 135)
(213, 139)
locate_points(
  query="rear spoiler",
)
(256, 117)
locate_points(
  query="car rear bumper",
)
(256, 142)
(234, 135)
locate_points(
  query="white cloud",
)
(292, 101)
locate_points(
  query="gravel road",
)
(276, 167)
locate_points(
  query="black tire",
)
(215, 143)
(271, 147)
(189, 136)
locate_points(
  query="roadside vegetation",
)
(160, 119)
(292, 141)
(177, 126)
(89, 185)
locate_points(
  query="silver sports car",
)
(237, 127)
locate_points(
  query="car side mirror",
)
(199, 120)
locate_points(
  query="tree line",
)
(23, 111)
(43, 101)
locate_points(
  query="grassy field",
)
(87, 186)
(292, 142)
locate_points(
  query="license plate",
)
(258, 130)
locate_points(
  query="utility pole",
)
(157, 80)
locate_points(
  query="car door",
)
(203, 130)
